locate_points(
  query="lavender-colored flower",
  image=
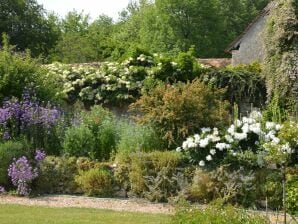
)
(2, 190)
(39, 155)
(21, 174)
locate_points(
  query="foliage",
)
(79, 141)
(180, 110)
(95, 182)
(57, 175)
(216, 214)
(244, 83)
(134, 137)
(28, 26)
(94, 136)
(231, 186)
(281, 43)
(8, 151)
(292, 192)
(151, 175)
(20, 71)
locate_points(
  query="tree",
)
(27, 25)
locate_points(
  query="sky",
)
(93, 7)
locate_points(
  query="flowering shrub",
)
(245, 135)
(118, 82)
(22, 173)
(28, 118)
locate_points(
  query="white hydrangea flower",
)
(231, 130)
(245, 128)
(256, 115)
(256, 128)
(213, 152)
(240, 136)
(178, 149)
(209, 158)
(197, 138)
(222, 146)
(287, 149)
(229, 138)
(204, 142)
(278, 127)
(238, 123)
(270, 125)
(276, 140)
(202, 163)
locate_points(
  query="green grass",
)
(16, 214)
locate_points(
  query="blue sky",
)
(93, 7)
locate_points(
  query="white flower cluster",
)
(210, 142)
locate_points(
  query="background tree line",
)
(160, 26)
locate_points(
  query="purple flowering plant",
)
(29, 118)
(22, 172)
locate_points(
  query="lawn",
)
(16, 214)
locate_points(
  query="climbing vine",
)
(281, 48)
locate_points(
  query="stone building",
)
(249, 46)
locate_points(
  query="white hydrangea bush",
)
(111, 82)
(211, 146)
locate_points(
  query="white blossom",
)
(209, 158)
(213, 152)
(204, 142)
(202, 163)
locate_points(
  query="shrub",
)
(79, 141)
(8, 151)
(292, 191)
(102, 124)
(95, 182)
(57, 175)
(180, 110)
(216, 214)
(154, 176)
(20, 71)
(232, 186)
(243, 83)
(137, 138)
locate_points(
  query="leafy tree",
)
(26, 23)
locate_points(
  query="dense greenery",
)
(160, 26)
(281, 62)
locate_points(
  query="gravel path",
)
(128, 205)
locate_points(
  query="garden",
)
(211, 145)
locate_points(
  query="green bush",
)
(154, 176)
(57, 175)
(20, 71)
(95, 182)
(8, 151)
(292, 191)
(232, 186)
(181, 110)
(216, 214)
(79, 141)
(137, 138)
(244, 83)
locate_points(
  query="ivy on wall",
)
(281, 48)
